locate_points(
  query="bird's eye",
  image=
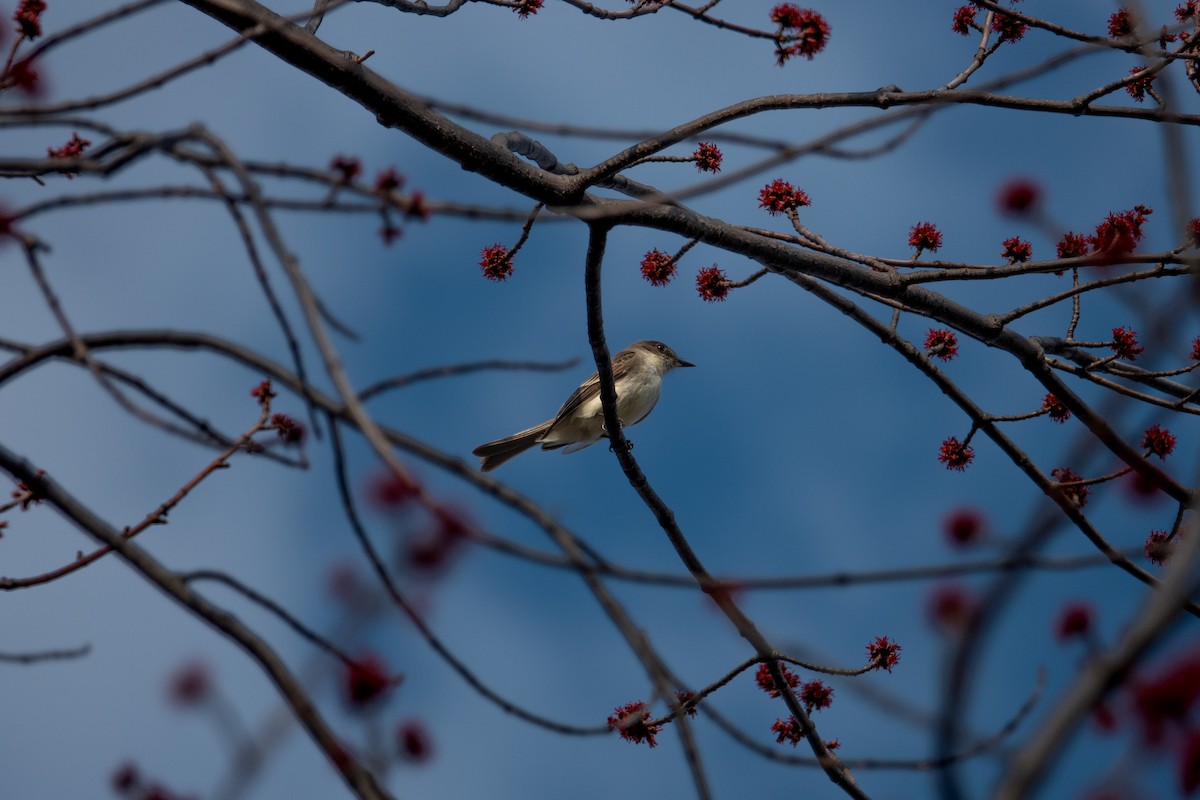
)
(660, 347)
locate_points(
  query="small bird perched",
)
(638, 372)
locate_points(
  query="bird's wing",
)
(590, 388)
(586, 391)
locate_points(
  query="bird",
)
(638, 372)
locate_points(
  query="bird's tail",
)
(493, 454)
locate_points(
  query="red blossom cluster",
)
(941, 343)
(802, 32)
(786, 15)
(1125, 343)
(712, 283)
(417, 208)
(365, 682)
(1192, 231)
(708, 157)
(263, 393)
(526, 7)
(1120, 232)
(1163, 703)
(1138, 89)
(1008, 28)
(23, 77)
(883, 653)
(387, 181)
(190, 685)
(437, 547)
(496, 262)
(389, 490)
(126, 778)
(413, 742)
(685, 702)
(27, 494)
(29, 18)
(1074, 621)
(630, 722)
(658, 267)
(955, 454)
(951, 608)
(780, 197)
(1120, 24)
(1117, 235)
(963, 527)
(815, 696)
(289, 430)
(347, 167)
(1016, 250)
(1141, 489)
(1158, 441)
(964, 20)
(72, 149)
(788, 731)
(763, 678)
(925, 236)
(1158, 547)
(1019, 196)
(1068, 481)
(1072, 245)
(1055, 409)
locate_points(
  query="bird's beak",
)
(679, 362)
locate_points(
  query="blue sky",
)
(798, 446)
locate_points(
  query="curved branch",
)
(358, 779)
(833, 766)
